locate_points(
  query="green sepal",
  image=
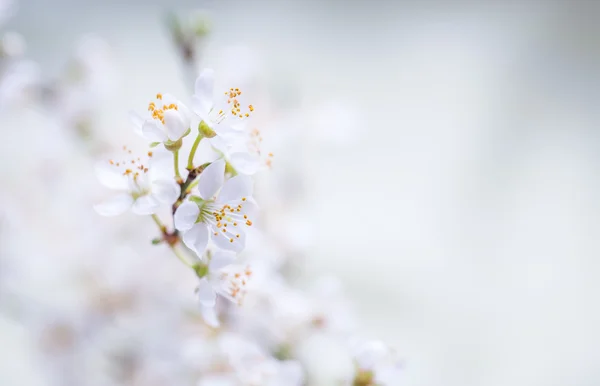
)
(206, 130)
(155, 144)
(173, 145)
(198, 200)
(201, 269)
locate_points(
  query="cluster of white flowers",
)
(213, 210)
(121, 313)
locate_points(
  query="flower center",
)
(131, 166)
(157, 111)
(234, 284)
(226, 219)
(233, 107)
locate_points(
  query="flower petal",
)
(115, 205)
(245, 163)
(203, 92)
(206, 293)
(175, 124)
(152, 132)
(211, 179)
(137, 120)
(369, 353)
(145, 205)
(186, 215)
(209, 314)
(236, 188)
(219, 143)
(229, 241)
(220, 259)
(110, 176)
(165, 191)
(196, 238)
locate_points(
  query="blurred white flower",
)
(223, 217)
(12, 45)
(18, 83)
(376, 362)
(325, 359)
(252, 366)
(143, 187)
(223, 278)
(168, 120)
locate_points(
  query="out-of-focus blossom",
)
(18, 83)
(376, 364)
(252, 366)
(12, 45)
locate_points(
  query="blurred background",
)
(445, 154)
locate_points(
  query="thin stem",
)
(190, 164)
(193, 184)
(158, 222)
(174, 248)
(180, 256)
(176, 163)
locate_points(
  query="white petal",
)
(114, 206)
(290, 373)
(369, 353)
(236, 188)
(205, 152)
(250, 208)
(168, 99)
(206, 293)
(224, 240)
(209, 314)
(137, 120)
(186, 215)
(196, 238)
(110, 176)
(203, 91)
(152, 132)
(175, 124)
(388, 375)
(245, 163)
(224, 128)
(145, 205)
(165, 191)
(201, 109)
(211, 179)
(219, 143)
(220, 259)
(161, 164)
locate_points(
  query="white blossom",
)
(168, 119)
(375, 359)
(223, 278)
(220, 211)
(226, 114)
(141, 186)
